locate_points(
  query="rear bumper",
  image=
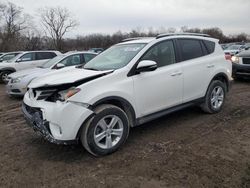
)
(241, 70)
(33, 117)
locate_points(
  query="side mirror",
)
(146, 66)
(1, 59)
(60, 66)
(18, 60)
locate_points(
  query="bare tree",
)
(57, 22)
(14, 21)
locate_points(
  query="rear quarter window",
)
(210, 46)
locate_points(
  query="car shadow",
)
(76, 153)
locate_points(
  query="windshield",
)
(234, 47)
(115, 57)
(51, 62)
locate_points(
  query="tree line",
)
(18, 31)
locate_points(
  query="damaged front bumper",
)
(33, 117)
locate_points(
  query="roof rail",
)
(135, 38)
(177, 34)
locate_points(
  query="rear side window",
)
(210, 46)
(190, 49)
(88, 57)
(162, 53)
(45, 55)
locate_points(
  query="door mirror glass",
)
(18, 60)
(60, 66)
(146, 66)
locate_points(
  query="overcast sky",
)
(109, 16)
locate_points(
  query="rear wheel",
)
(104, 133)
(215, 97)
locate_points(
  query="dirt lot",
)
(184, 149)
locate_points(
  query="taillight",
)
(228, 57)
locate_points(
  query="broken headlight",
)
(65, 94)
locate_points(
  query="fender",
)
(8, 69)
(120, 102)
(222, 75)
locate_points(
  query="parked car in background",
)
(18, 81)
(241, 65)
(225, 46)
(127, 85)
(234, 49)
(25, 60)
(96, 50)
(8, 56)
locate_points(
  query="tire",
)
(215, 97)
(99, 136)
(3, 75)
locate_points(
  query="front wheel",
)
(104, 133)
(215, 97)
(4, 76)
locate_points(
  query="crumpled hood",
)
(65, 76)
(33, 71)
(245, 53)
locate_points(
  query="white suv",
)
(129, 84)
(25, 60)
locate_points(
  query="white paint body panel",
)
(148, 92)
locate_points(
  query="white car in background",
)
(234, 49)
(8, 56)
(25, 60)
(18, 81)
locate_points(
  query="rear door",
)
(196, 65)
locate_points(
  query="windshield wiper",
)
(91, 69)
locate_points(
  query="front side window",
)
(72, 60)
(163, 54)
(27, 57)
(115, 57)
(88, 57)
(190, 49)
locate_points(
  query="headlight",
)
(17, 80)
(235, 59)
(64, 95)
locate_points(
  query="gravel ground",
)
(184, 149)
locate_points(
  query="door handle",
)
(178, 73)
(210, 66)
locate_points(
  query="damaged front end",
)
(47, 110)
(34, 118)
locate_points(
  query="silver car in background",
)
(18, 81)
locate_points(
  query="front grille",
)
(44, 94)
(15, 91)
(32, 110)
(246, 61)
